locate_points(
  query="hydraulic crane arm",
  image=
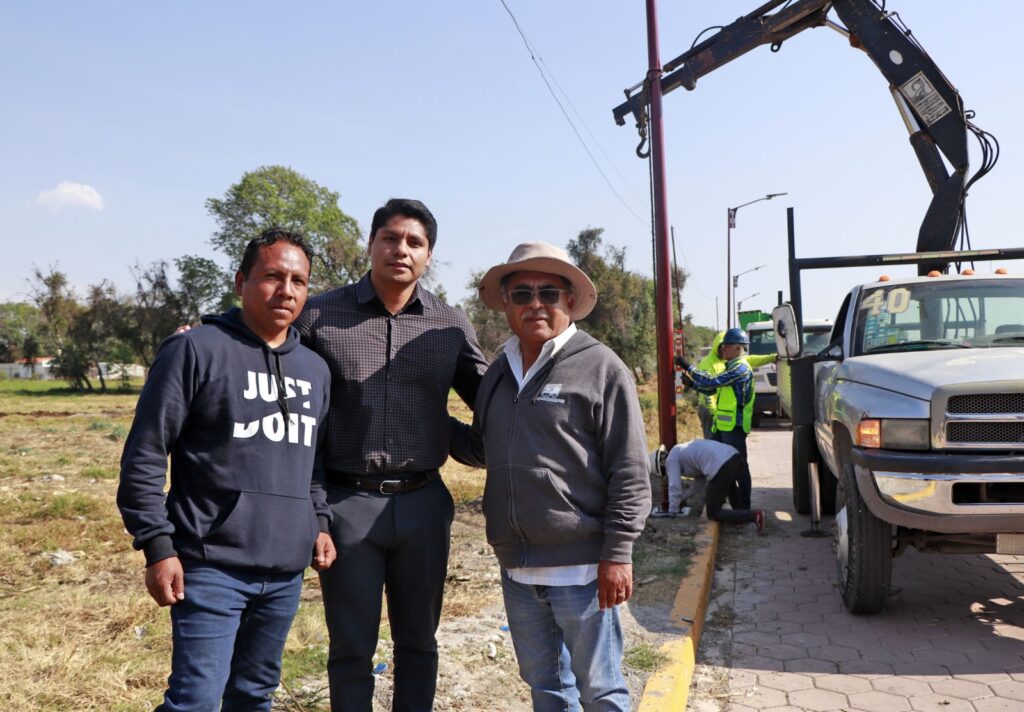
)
(746, 33)
(930, 106)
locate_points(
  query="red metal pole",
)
(662, 277)
(731, 216)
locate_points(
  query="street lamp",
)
(739, 302)
(728, 253)
(735, 286)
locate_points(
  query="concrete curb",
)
(668, 689)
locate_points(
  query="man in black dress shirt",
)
(394, 350)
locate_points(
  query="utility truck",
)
(762, 341)
(912, 415)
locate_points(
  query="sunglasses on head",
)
(521, 296)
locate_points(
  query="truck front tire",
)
(863, 546)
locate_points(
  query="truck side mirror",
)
(787, 335)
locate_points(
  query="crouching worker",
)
(715, 468)
(238, 404)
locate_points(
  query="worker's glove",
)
(683, 363)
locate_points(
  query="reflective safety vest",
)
(725, 410)
(716, 366)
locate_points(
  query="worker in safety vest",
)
(714, 363)
(733, 389)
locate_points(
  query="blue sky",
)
(144, 110)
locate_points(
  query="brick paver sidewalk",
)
(950, 640)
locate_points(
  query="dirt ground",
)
(477, 668)
(80, 632)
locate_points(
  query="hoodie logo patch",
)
(549, 393)
(262, 386)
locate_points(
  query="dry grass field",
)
(79, 631)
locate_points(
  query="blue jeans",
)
(228, 636)
(569, 650)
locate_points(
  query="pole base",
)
(815, 532)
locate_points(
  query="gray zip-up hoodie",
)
(567, 479)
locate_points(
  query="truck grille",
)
(979, 432)
(773, 378)
(986, 403)
(963, 418)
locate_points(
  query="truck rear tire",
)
(863, 547)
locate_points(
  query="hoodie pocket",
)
(537, 504)
(265, 531)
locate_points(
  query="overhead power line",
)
(544, 72)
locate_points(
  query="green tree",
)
(491, 326)
(696, 337)
(31, 349)
(90, 343)
(624, 318)
(19, 322)
(203, 287)
(152, 313)
(82, 336)
(57, 306)
(279, 196)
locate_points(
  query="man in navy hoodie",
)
(239, 406)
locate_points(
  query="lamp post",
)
(739, 303)
(728, 253)
(735, 286)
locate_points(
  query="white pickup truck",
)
(915, 411)
(762, 341)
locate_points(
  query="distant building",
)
(120, 370)
(38, 367)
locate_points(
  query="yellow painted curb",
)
(668, 689)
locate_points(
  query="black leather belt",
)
(383, 485)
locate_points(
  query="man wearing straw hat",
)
(567, 486)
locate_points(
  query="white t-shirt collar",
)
(514, 354)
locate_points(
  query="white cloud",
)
(70, 195)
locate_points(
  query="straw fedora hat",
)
(540, 257)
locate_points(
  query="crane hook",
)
(640, 152)
(641, 127)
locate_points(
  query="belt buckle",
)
(385, 486)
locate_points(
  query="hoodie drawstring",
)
(282, 396)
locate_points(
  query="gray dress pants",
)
(396, 544)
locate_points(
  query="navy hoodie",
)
(242, 423)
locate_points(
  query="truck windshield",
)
(816, 338)
(762, 341)
(940, 314)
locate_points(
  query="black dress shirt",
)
(390, 377)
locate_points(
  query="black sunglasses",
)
(547, 295)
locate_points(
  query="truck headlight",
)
(894, 433)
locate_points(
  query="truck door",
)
(825, 383)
